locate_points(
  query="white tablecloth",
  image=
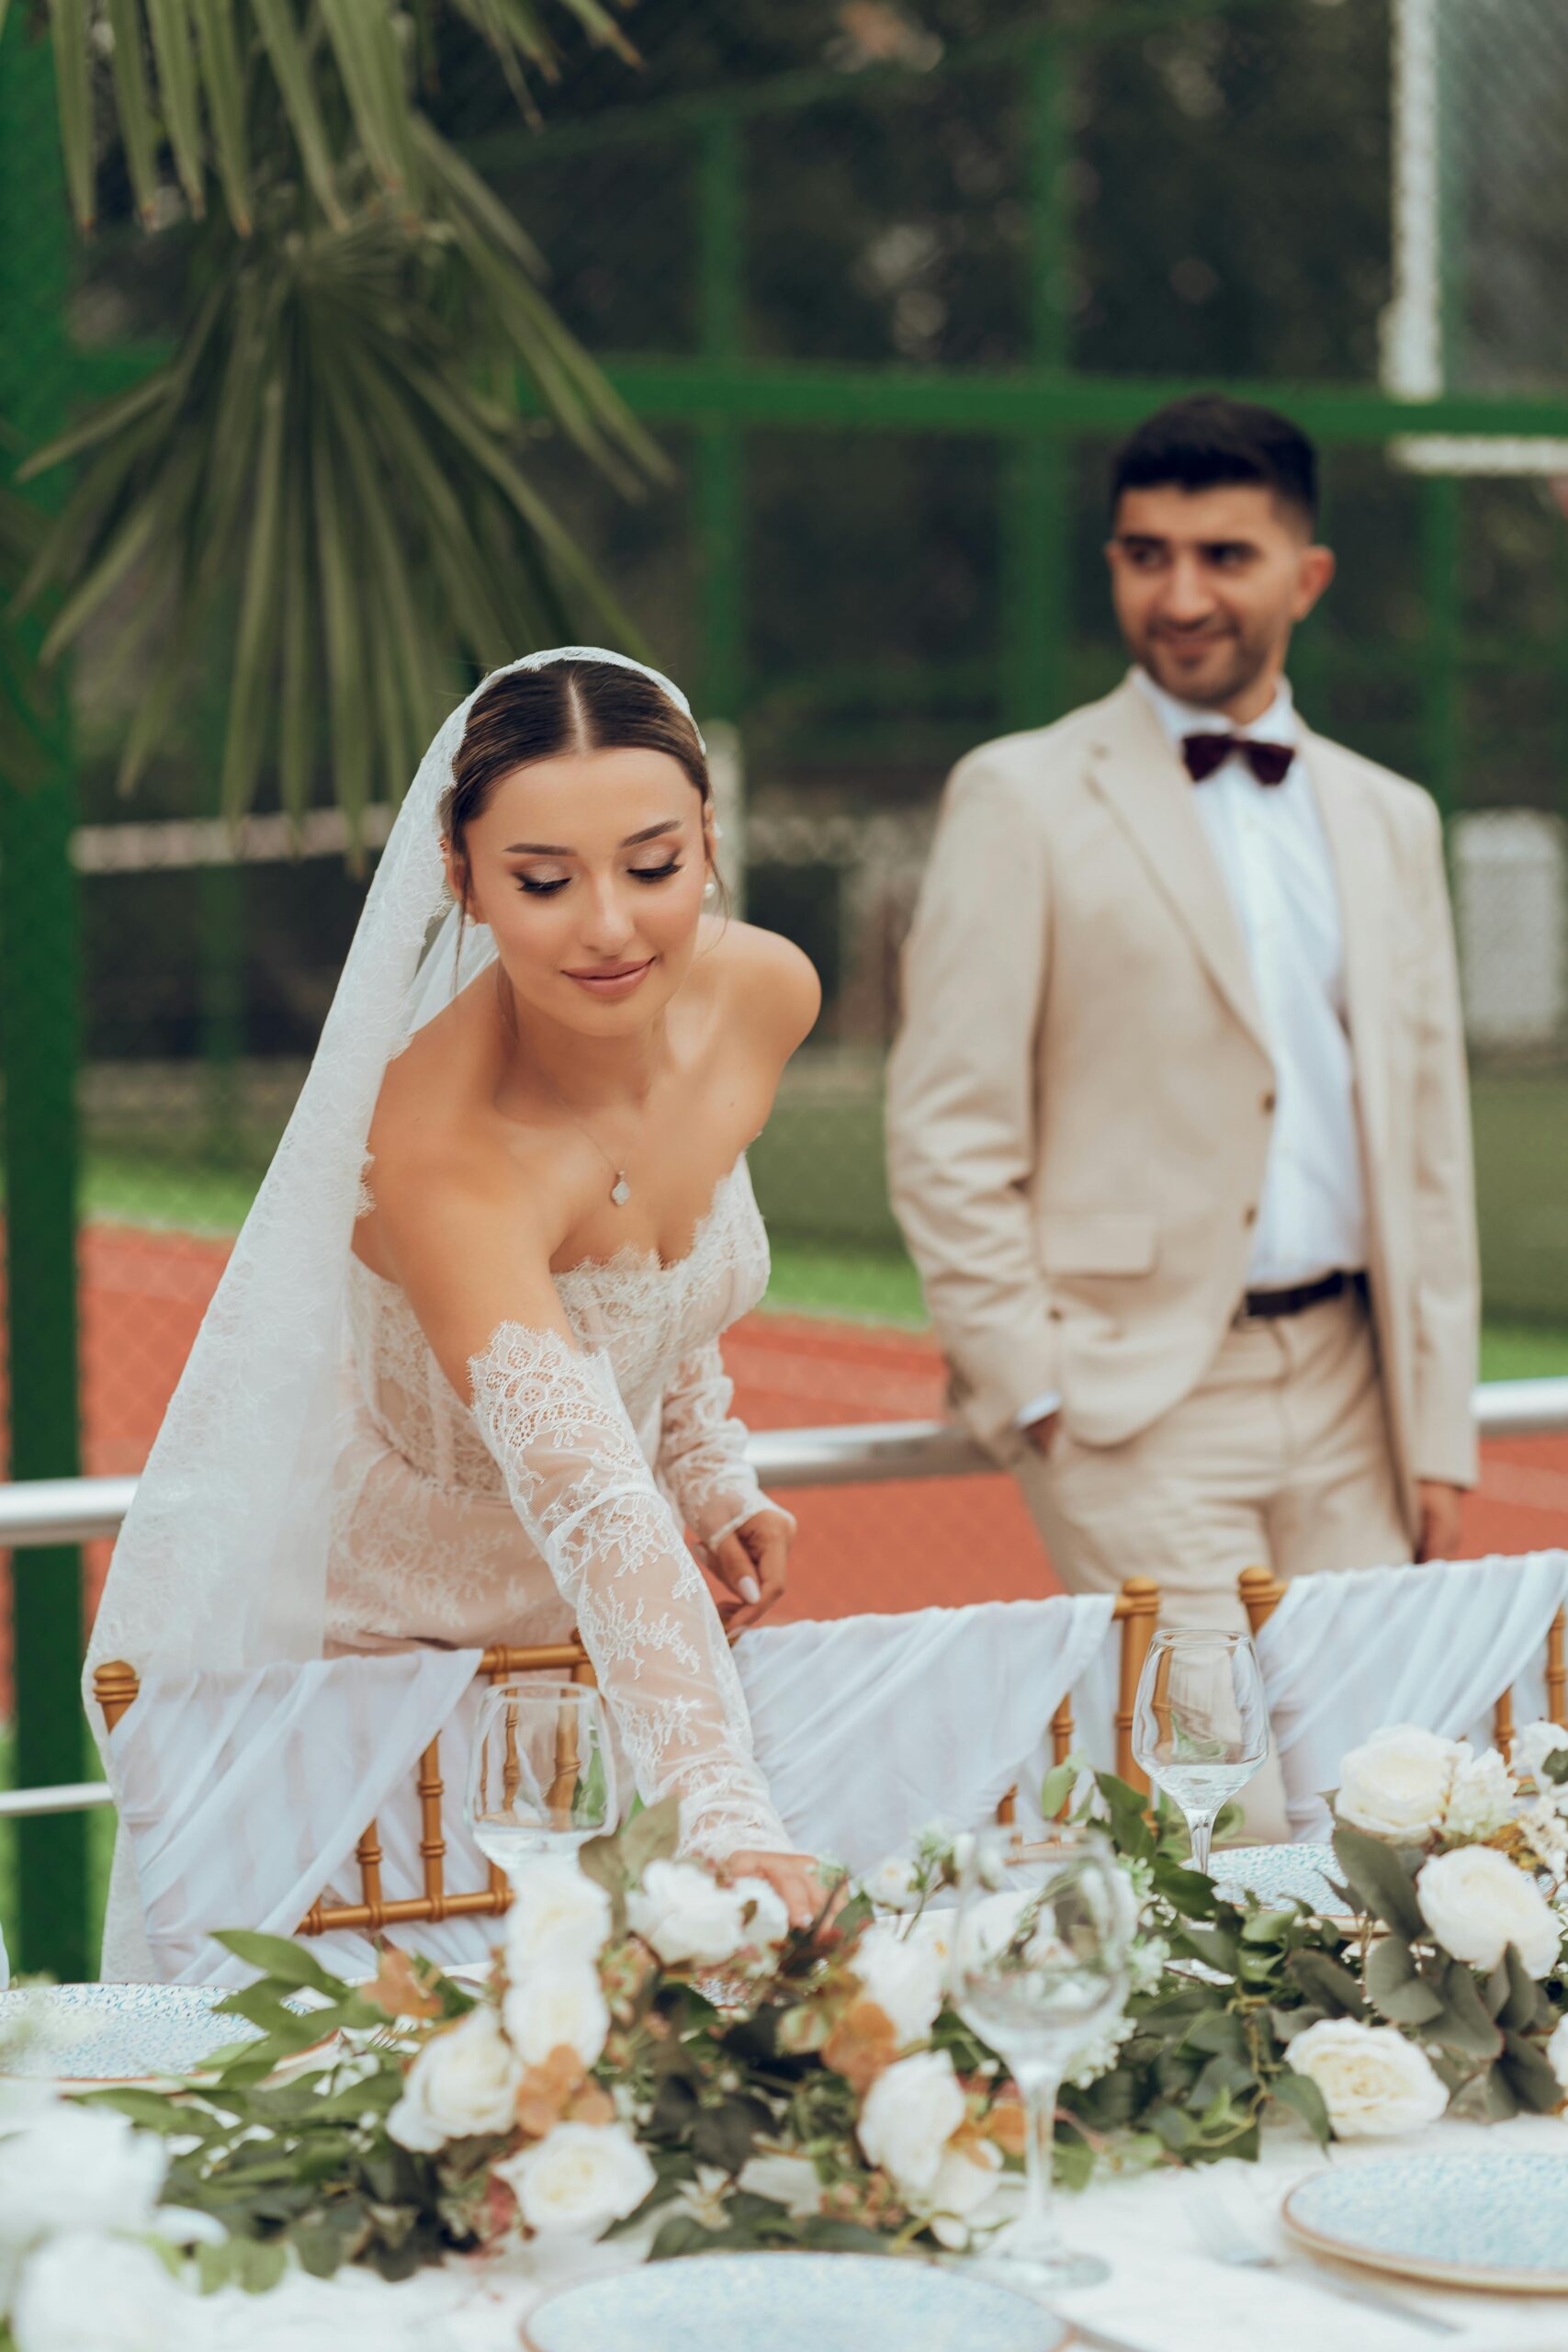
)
(1165, 2293)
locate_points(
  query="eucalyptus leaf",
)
(1378, 1880)
(1463, 2024)
(1530, 2074)
(1300, 2093)
(1396, 1987)
(288, 1964)
(1327, 1981)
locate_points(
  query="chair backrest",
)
(1137, 1613)
(1261, 1593)
(115, 1686)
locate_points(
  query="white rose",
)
(1397, 1783)
(684, 1912)
(894, 1884)
(1475, 1901)
(463, 2082)
(910, 2113)
(1533, 1745)
(1374, 2081)
(769, 1922)
(556, 2007)
(581, 2178)
(84, 2293)
(1482, 1797)
(82, 2166)
(1557, 2053)
(558, 1914)
(965, 2179)
(789, 2180)
(903, 1976)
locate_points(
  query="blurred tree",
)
(324, 487)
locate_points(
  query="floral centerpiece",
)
(657, 2055)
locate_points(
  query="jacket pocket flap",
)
(1100, 1242)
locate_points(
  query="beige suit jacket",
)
(1079, 1100)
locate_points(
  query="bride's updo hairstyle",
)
(563, 707)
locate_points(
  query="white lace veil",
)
(222, 1559)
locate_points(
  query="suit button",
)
(1249, 1216)
(1269, 1100)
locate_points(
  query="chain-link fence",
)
(887, 280)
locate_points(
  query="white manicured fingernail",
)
(748, 1589)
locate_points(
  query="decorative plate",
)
(1275, 1873)
(1469, 2219)
(112, 2033)
(793, 2302)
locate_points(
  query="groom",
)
(1179, 1124)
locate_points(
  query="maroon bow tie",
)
(1269, 762)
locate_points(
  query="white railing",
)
(42, 1511)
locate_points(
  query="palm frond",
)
(23, 697)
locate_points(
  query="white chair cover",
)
(869, 1728)
(1437, 1646)
(245, 1794)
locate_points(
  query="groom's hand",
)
(754, 1563)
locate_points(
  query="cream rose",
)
(966, 2179)
(1482, 1797)
(894, 1884)
(1533, 1745)
(579, 2180)
(903, 1976)
(1397, 1783)
(558, 1914)
(86, 2293)
(1475, 1901)
(789, 2180)
(910, 2113)
(1373, 2082)
(463, 2082)
(765, 1913)
(684, 1912)
(556, 2009)
(84, 2165)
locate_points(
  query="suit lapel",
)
(1136, 771)
(1357, 850)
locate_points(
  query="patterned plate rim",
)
(813, 2254)
(1491, 2278)
(196, 2074)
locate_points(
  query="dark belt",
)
(1266, 1305)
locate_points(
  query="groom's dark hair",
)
(1209, 440)
(528, 714)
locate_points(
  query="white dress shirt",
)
(1274, 855)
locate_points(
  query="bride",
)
(461, 1382)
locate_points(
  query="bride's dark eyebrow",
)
(556, 849)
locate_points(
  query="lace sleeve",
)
(701, 1449)
(554, 1420)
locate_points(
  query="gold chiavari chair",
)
(1137, 1613)
(115, 1686)
(1262, 1591)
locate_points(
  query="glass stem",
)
(1201, 1828)
(1034, 2234)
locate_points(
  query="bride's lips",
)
(611, 979)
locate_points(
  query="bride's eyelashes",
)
(540, 889)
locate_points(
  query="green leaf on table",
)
(1514, 1997)
(1188, 1891)
(1530, 2073)
(1056, 1788)
(1498, 2097)
(1464, 2023)
(1269, 1926)
(1300, 2092)
(1396, 1987)
(287, 1963)
(1378, 1880)
(1215, 1947)
(1326, 1981)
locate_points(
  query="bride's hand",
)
(794, 1878)
(753, 1561)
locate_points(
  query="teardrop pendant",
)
(620, 1190)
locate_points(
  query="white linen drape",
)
(1437, 1646)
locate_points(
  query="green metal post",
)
(38, 1051)
(1442, 688)
(1036, 524)
(720, 456)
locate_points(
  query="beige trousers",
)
(1279, 1458)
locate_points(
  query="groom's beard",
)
(1232, 666)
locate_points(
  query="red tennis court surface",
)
(877, 1547)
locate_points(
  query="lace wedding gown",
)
(558, 1499)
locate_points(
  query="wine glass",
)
(1200, 1722)
(541, 1773)
(1039, 1962)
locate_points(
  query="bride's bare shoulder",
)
(765, 980)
